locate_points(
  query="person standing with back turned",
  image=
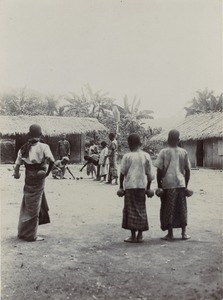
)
(135, 180)
(173, 175)
(34, 209)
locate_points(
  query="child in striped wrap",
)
(135, 180)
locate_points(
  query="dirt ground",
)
(84, 257)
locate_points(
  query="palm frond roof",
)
(197, 127)
(51, 125)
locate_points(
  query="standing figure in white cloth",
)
(103, 161)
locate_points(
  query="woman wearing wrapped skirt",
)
(34, 209)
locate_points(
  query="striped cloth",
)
(34, 208)
(134, 212)
(173, 211)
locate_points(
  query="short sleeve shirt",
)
(173, 162)
(103, 154)
(64, 148)
(39, 153)
(137, 169)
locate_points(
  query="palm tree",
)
(89, 104)
(77, 106)
(133, 116)
(100, 103)
(204, 102)
(22, 102)
(51, 106)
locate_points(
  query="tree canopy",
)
(89, 103)
(204, 102)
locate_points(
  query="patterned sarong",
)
(112, 172)
(173, 211)
(134, 212)
(34, 208)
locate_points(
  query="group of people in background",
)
(102, 163)
(173, 175)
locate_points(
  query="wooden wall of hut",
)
(77, 145)
(191, 148)
(10, 149)
(7, 150)
(212, 157)
(212, 153)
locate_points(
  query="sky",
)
(160, 51)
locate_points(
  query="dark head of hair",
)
(103, 144)
(65, 159)
(173, 137)
(35, 131)
(111, 136)
(134, 141)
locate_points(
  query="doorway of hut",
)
(200, 153)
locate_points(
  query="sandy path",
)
(84, 257)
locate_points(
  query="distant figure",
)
(91, 157)
(135, 180)
(94, 156)
(103, 161)
(34, 209)
(60, 167)
(112, 156)
(93, 149)
(86, 154)
(63, 147)
(173, 175)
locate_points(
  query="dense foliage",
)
(205, 102)
(101, 106)
(88, 104)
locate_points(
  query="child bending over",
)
(60, 167)
(91, 162)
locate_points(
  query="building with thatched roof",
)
(202, 136)
(15, 128)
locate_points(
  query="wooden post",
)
(82, 147)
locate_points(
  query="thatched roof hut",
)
(51, 125)
(197, 127)
(16, 128)
(202, 136)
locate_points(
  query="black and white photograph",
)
(111, 149)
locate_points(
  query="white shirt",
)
(39, 153)
(93, 149)
(104, 152)
(173, 162)
(137, 169)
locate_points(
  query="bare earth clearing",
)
(84, 257)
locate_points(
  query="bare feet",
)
(140, 238)
(167, 238)
(39, 238)
(185, 236)
(130, 240)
